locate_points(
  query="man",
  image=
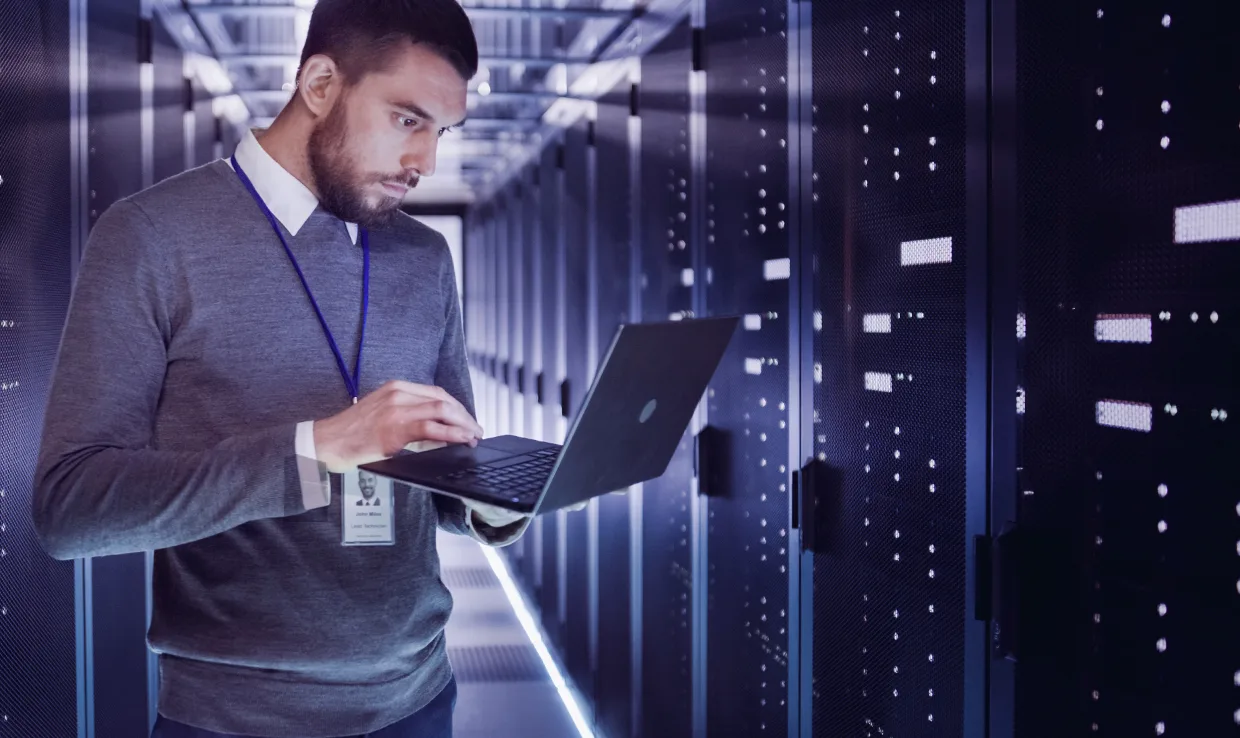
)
(240, 337)
(367, 482)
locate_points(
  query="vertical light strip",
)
(79, 170)
(636, 522)
(592, 361)
(535, 634)
(698, 506)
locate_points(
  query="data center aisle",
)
(503, 689)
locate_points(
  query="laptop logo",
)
(649, 410)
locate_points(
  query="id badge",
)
(366, 515)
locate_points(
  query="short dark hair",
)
(361, 35)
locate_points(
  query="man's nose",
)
(421, 159)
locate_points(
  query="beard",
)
(341, 189)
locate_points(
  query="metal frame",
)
(978, 348)
(486, 61)
(700, 504)
(800, 362)
(79, 162)
(475, 11)
(1002, 276)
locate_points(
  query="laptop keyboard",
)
(520, 481)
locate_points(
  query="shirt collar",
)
(289, 200)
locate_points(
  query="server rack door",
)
(514, 326)
(531, 333)
(534, 228)
(470, 278)
(115, 172)
(500, 311)
(891, 394)
(168, 103)
(550, 189)
(204, 125)
(613, 693)
(748, 267)
(38, 684)
(667, 576)
(576, 286)
(479, 266)
(516, 308)
(490, 308)
(1126, 590)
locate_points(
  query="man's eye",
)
(445, 129)
(408, 122)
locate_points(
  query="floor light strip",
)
(534, 632)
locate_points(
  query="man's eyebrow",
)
(419, 112)
(415, 109)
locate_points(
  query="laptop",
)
(636, 412)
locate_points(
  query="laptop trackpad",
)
(463, 456)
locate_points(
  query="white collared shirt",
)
(288, 199)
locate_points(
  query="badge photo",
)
(366, 510)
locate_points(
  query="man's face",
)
(367, 483)
(382, 133)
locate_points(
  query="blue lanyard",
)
(351, 381)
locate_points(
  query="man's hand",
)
(498, 517)
(389, 419)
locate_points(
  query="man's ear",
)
(320, 85)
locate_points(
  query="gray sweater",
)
(189, 357)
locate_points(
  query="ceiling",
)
(542, 62)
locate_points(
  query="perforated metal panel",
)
(748, 269)
(890, 367)
(614, 692)
(38, 688)
(667, 578)
(1128, 233)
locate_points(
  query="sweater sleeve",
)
(100, 486)
(452, 374)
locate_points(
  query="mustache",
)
(409, 181)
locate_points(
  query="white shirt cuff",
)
(316, 488)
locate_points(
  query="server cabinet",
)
(551, 598)
(898, 362)
(531, 279)
(515, 308)
(513, 313)
(747, 483)
(498, 299)
(168, 103)
(206, 127)
(613, 692)
(39, 682)
(119, 583)
(667, 292)
(490, 312)
(1124, 213)
(577, 225)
